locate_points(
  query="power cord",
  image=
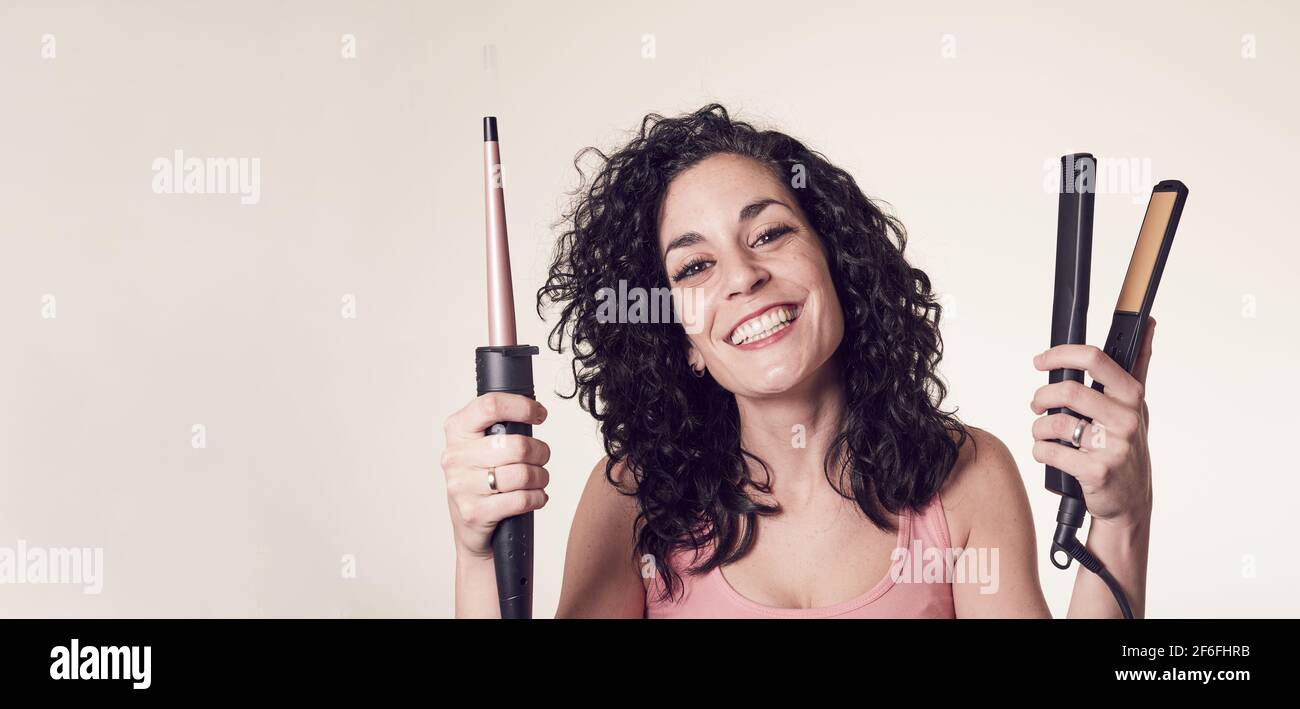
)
(1069, 519)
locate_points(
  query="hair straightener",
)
(504, 366)
(1070, 320)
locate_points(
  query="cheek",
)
(695, 310)
(835, 331)
(807, 266)
(834, 315)
(831, 317)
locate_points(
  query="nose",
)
(744, 276)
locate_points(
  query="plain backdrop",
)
(323, 432)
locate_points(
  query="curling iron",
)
(504, 366)
(1070, 319)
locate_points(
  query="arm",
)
(1123, 550)
(476, 587)
(473, 507)
(1112, 465)
(988, 512)
(601, 576)
(986, 498)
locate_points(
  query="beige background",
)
(323, 432)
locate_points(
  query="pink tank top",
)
(902, 593)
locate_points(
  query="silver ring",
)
(1077, 436)
(492, 480)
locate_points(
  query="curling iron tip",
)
(489, 128)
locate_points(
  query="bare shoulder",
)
(601, 576)
(612, 493)
(988, 512)
(984, 481)
(606, 507)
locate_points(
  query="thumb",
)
(1144, 353)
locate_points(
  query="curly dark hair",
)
(679, 435)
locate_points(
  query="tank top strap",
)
(930, 525)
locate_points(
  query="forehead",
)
(710, 194)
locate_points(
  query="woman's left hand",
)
(1112, 464)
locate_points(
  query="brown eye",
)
(692, 268)
(772, 234)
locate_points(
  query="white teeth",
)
(766, 325)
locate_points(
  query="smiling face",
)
(763, 315)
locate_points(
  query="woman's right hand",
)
(470, 454)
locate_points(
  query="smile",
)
(761, 328)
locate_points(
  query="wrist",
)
(1119, 538)
(1130, 524)
(466, 557)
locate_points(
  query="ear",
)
(695, 359)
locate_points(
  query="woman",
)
(778, 449)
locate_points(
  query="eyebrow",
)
(748, 212)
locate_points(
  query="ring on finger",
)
(1076, 437)
(492, 480)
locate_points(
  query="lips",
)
(764, 324)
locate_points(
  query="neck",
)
(792, 433)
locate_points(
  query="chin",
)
(775, 379)
(771, 383)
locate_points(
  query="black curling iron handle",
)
(1058, 480)
(509, 369)
(1070, 296)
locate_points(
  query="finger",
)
(495, 508)
(1097, 364)
(1060, 427)
(1144, 352)
(1080, 399)
(483, 411)
(504, 449)
(515, 476)
(1086, 468)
